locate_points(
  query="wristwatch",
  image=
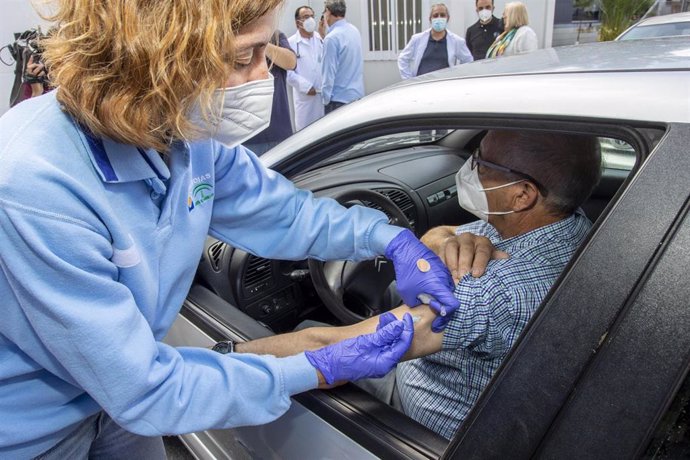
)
(224, 346)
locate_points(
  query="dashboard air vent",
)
(258, 275)
(402, 201)
(215, 254)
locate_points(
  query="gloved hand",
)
(387, 318)
(370, 355)
(422, 277)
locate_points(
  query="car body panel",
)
(276, 439)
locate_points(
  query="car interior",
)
(409, 174)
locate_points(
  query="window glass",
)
(391, 24)
(615, 154)
(388, 142)
(659, 30)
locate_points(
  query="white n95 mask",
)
(471, 194)
(309, 25)
(245, 112)
(485, 15)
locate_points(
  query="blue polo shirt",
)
(99, 243)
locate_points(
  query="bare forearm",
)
(292, 343)
(283, 58)
(425, 342)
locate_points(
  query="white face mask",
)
(484, 15)
(439, 24)
(246, 111)
(309, 25)
(471, 194)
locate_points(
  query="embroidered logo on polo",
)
(202, 191)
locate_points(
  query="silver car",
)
(669, 25)
(602, 369)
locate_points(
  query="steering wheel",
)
(354, 291)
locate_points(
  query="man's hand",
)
(323, 27)
(468, 253)
(422, 277)
(311, 92)
(365, 356)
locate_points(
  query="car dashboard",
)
(420, 181)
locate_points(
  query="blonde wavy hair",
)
(515, 15)
(132, 70)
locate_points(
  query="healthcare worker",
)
(433, 49)
(108, 188)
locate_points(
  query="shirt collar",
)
(339, 23)
(117, 162)
(554, 228)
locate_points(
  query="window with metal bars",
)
(390, 25)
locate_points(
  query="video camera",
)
(26, 49)
(27, 45)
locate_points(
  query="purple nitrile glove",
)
(385, 319)
(422, 277)
(366, 356)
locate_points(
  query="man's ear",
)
(525, 196)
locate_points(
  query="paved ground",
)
(567, 34)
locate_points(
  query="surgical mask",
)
(472, 195)
(439, 24)
(484, 15)
(246, 111)
(309, 25)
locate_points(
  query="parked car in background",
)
(601, 371)
(670, 25)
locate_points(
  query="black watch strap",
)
(224, 347)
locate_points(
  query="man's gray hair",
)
(445, 7)
(336, 7)
(568, 166)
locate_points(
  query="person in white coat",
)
(433, 49)
(305, 79)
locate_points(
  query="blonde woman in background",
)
(517, 36)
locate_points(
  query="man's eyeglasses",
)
(477, 160)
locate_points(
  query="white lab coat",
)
(306, 75)
(411, 56)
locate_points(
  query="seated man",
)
(527, 188)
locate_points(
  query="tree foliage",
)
(618, 15)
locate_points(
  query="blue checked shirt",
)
(440, 389)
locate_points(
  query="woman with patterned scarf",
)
(518, 37)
